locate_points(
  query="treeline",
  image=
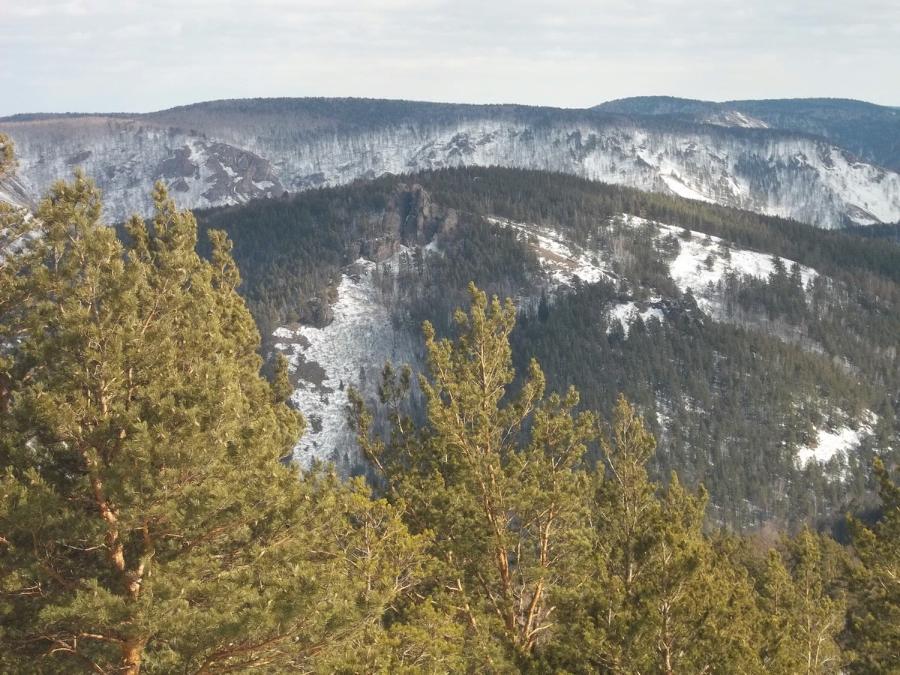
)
(147, 524)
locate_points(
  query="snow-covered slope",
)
(228, 156)
(127, 157)
(700, 262)
(697, 263)
(350, 351)
(703, 261)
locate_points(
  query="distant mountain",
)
(872, 132)
(228, 152)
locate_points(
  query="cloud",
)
(136, 55)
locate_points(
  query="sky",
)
(139, 56)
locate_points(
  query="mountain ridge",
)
(229, 151)
(610, 104)
(869, 130)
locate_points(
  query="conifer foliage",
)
(494, 474)
(7, 160)
(661, 598)
(145, 522)
(541, 562)
(875, 601)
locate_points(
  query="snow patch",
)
(626, 313)
(836, 442)
(677, 186)
(557, 256)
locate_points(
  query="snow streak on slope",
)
(734, 118)
(327, 360)
(678, 187)
(12, 192)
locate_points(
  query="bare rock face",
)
(179, 165)
(317, 312)
(414, 217)
(410, 219)
(238, 173)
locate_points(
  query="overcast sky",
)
(142, 55)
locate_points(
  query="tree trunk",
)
(132, 653)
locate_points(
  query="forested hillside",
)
(747, 380)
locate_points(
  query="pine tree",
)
(145, 522)
(494, 474)
(281, 381)
(874, 617)
(802, 607)
(7, 156)
(661, 598)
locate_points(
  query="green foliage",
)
(630, 581)
(147, 524)
(803, 606)
(874, 625)
(736, 397)
(660, 598)
(7, 156)
(495, 475)
(281, 382)
(145, 521)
